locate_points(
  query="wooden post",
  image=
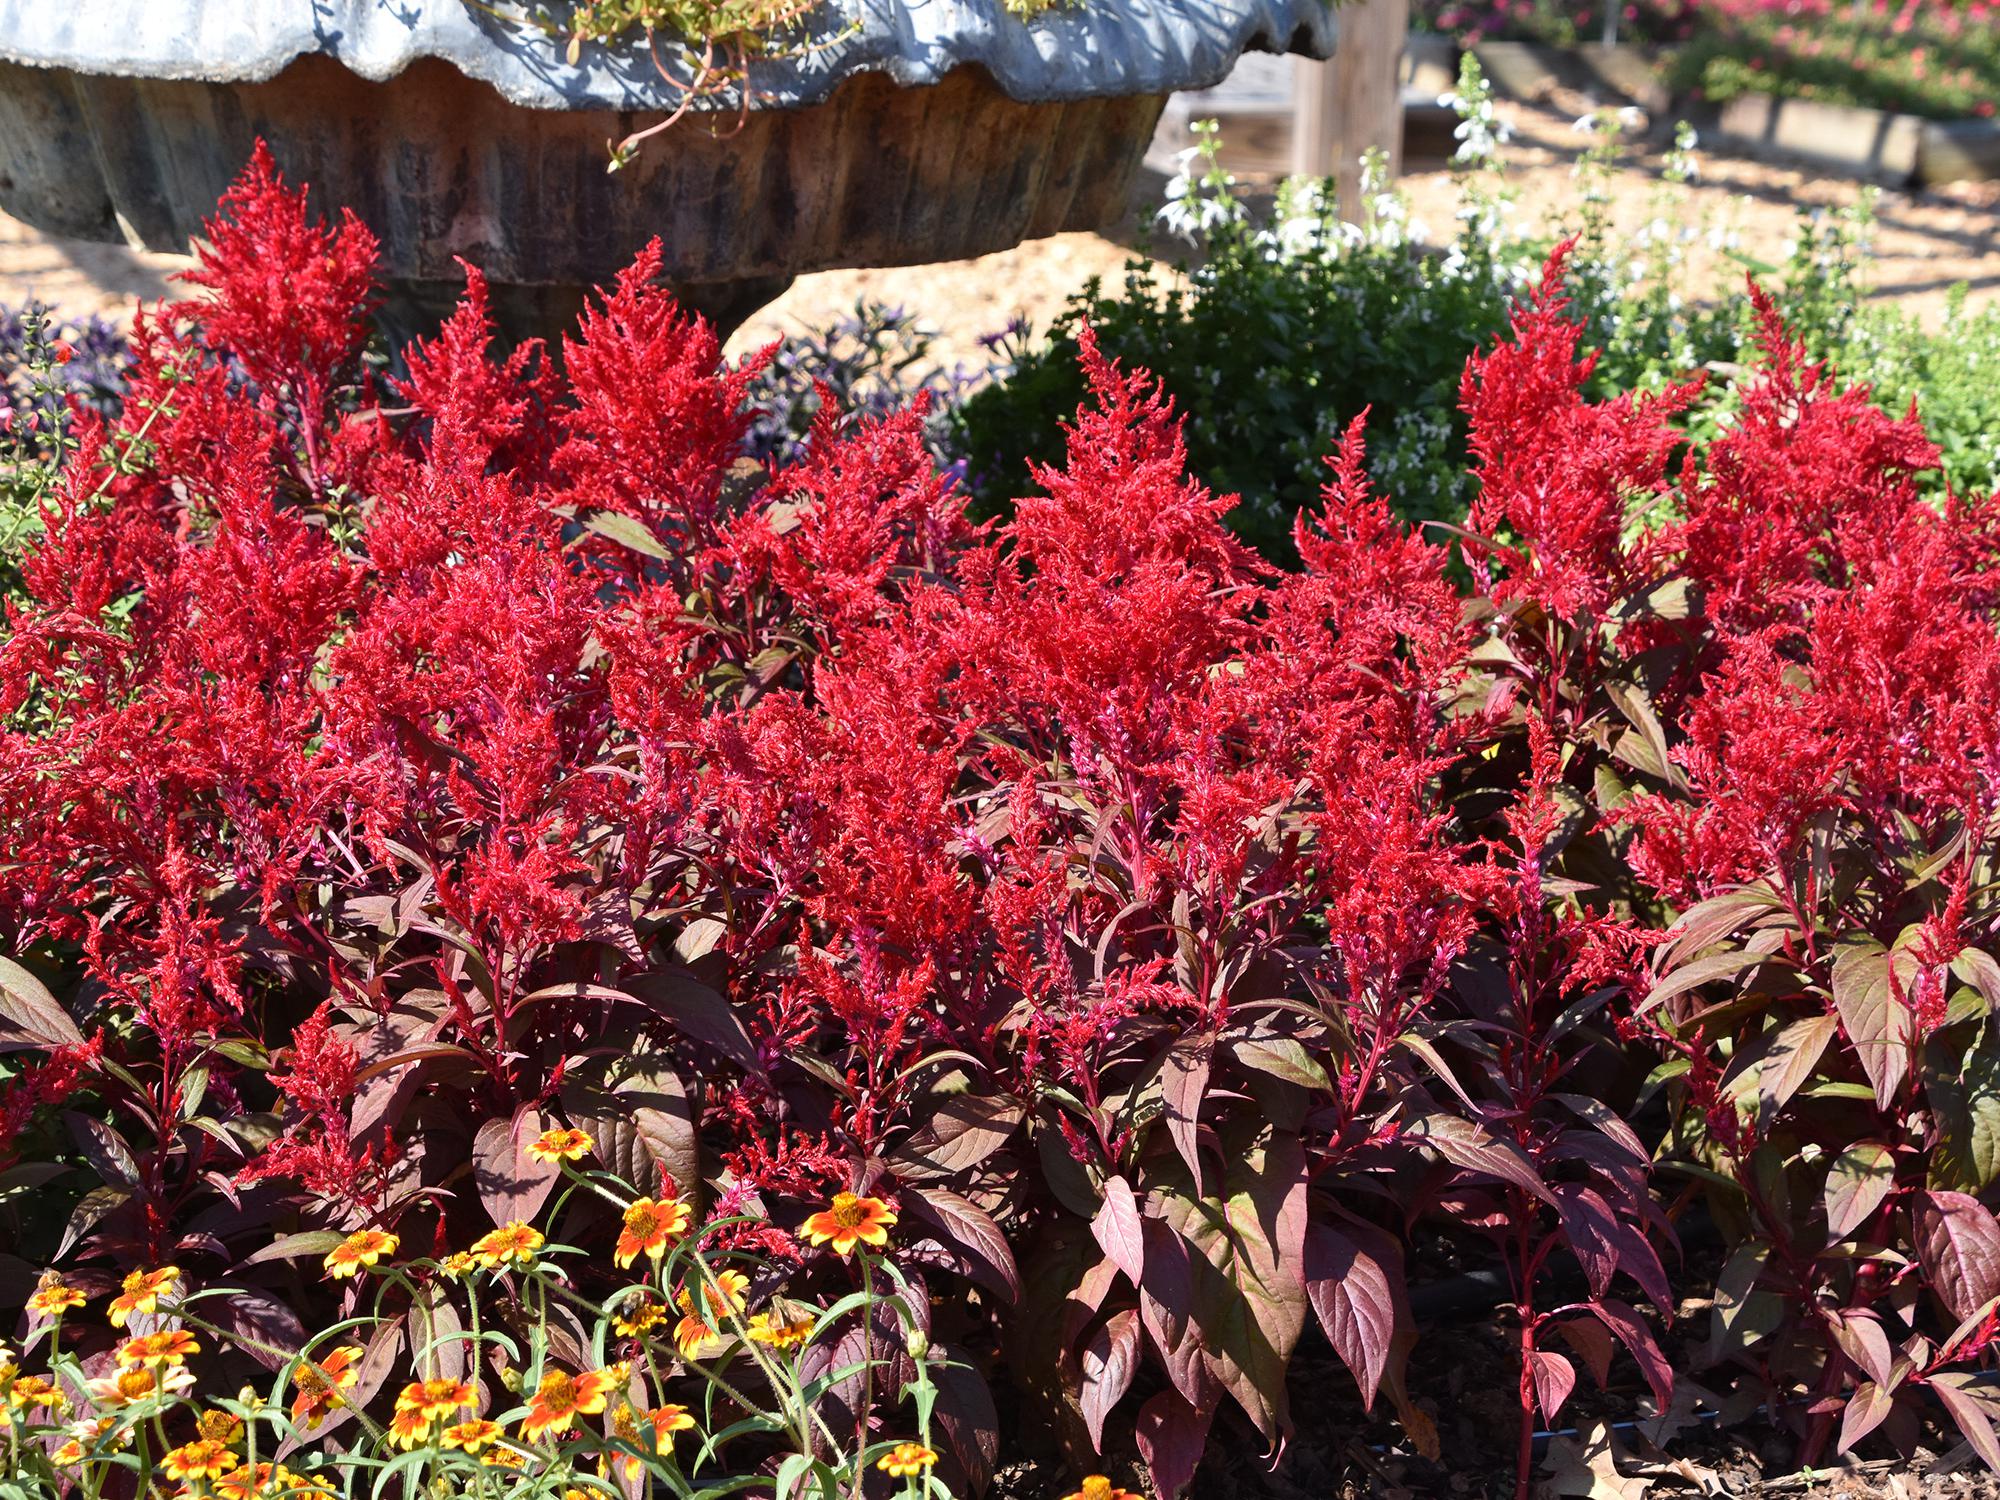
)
(1353, 102)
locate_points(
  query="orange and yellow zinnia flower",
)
(409, 1428)
(905, 1460)
(650, 1226)
(141, 1293)
(138, 1383)
(561, 1398)
(316, 1392)
(664, 1422)
(422, 1404)
(500, 1456)
(53, 1295)
(726, 1290)
(722, 1296)
(561, 1145)
(202, 1459)
(221, 1427)
(362, 1248)
(471, 1436)
(86, 1438)
(34, 1390)
(765, 1329)
(171, 1347)
(268, 1481)
(849, 1221)
(1097, 1487)
(514, 1244)
(434, 1399)
(638, 1313)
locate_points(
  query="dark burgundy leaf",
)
(1171, 1437)
(1633, 1333)
(1589, 1341)
(1354, 1280)
(262, 1326)
(1591, 1231)
(966, 1416)
(700, 1012)
(512, 1184)
(959, 1132)
(1119, 1231)
(1183, 1083)
(969, 1229)
(1554, 1378)
(1959, 1244)
(31, 1017)
(1866, 1410)
(1972, 1414)
(1108, 1362)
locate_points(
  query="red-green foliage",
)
(389, 775)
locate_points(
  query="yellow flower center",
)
(849, 1212)
(558, 1392)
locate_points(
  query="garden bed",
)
(649, 944)
(1864, 143)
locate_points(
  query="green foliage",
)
(1925, 62)
(1953, 376)
(1283, 332)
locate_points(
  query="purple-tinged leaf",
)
(1972, 1414)
(1608, 1122)
(1183, 1082)
(1638, 1259)
(1959, 1245)
(1697, 973)
(1248, 1272)
(1465, 1144)
(310, 1242)
(1591, 1343)
(1857, 1183)
(1879, 1025)
(1866, 1410)
(966, 1417)
(258, 1324)
(1120, 1234)
(1171, 1437)
(967, 1228)
(1637, 1338)
(511, 1183)
(1354, 1281)
(31, 1017)
(1862, 1340)
(1591, 1230)
(699, 1011)
(1084, 1300)
(959, 1132)
(1795, 1052)
(1554, 1378)
(1108, 1361)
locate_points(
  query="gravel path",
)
(1925, 242)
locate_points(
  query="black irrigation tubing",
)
(1706, 1417)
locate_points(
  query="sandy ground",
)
(1925, 242)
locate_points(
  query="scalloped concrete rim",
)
(1098, 47)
